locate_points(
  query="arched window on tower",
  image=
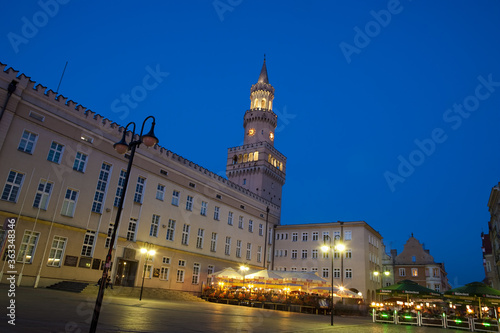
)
(240, 158)
(263, 104)
(281, 166)
(235, 159)
(245, 158)
(270, 105)
(269, 158)
(256, 156)
(250, 157)
(256, 103)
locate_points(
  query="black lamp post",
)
(148, 253)
(121, 147)
(333, 246)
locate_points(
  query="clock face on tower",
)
(271, 136)
(251, 131)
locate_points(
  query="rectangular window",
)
(348, 253)
(107, 242)
(28, 247)
(12, 186)
(166, 260)
(250, 226)
(315, 236)
(227, 247)
(199, 238)
(314, 254)
(437, 288)
(175, 198)
(88, 243)
(216, 213)
(160, 192)
(402, 272)
(203, 210)
(180, 275)
(230, 218)
(295, 236)
(139, 189)
(119, 188)
(196, 273)
(56, 251)
(336, 273)
(249, 251)
(132, 228)
(27, 143)
(348, 273)
(182, 263)
(304, 236)
(42, 195)
(336, 235)
(347, 235)
(325, 255)
(170, 230)
(261, 229)
(213, 242)
(259, 253)
(325, 273)
(238, 248)
(164, 273)
(155, 223)
(185, 234)
(413, 258)
(294, 254)
(80, 162)
(326, 234)
(69, 203)
(55, 152)
(304, 254)
(100, 191)
(189, 203)
(435, 272)
(414, 272)
(240, 222)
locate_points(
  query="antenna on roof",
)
(64, 70)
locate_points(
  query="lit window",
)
(56, 251)
(88, 243)
(28, 246)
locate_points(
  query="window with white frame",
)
(100, 191)
(56, 251)
(437, 287)
(325, 254)
(216, 213)
(189, 203)
(348, 253)
(27, 143)
(238, 248)
(80, 162)
(326, 235)
(336, 235)
(196, 273)
(295, 236)
(402, 272)
(336, 273)
(293, 269)
(250, 226)
(314, 254)
(414, 272)
(259, 253)
(249, 251)
(160, 192)
(336, 254)
(69, 202)
(347, 235)
(182, 263)
(199, 238)
(170, 230)
(227, 247)
(294, 254)
(88, 243)
(261, 229)
(12, 186)
(304, 254)
(132, 228)
(175, 197)
(155, 223)
(230, 218)
(213, 242)
(119, 188)
(304, 269)
(139, 189)
(314, 269)
(315, 236)
(305, 235)
(435, 272)
(325, 272)
(348, 273)
(28, 246)
(55, 152)
(180, 275)
(185, 234)
(240, 222)
(107, 242)
(203, 210)
(42, 195)
(165, 260)
(164, 273)
(147, 271)
(488, 266)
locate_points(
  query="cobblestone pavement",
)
(44, 310)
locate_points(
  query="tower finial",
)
(264, 57)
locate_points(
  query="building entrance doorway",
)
(126, 272)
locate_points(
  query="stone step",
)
(147, 293)
(70, 286)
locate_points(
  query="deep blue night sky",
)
(388, 111)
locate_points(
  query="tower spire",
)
(263, 72)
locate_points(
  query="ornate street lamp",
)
(149, 254)
(243, 270)
(335, 245)
(121, 147)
